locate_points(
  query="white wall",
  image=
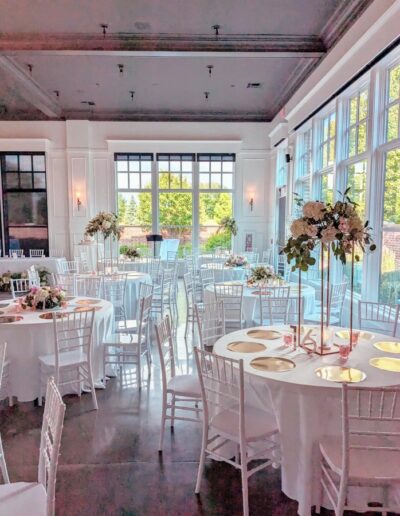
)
(80, 157)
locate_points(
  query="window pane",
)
(326, 128)
(122, 180)
(213, 207)
(27, 208)
(134, 212)
(394, 83)
(204, 166)
(122, 166)
(227, 182)
(331, 152)
(352, 141)
(175, 212)
(227, 166)
(215, 180)
(392, 130)
(39, 180)
(26, 180)
(353, 110)
(363, 107)
(25, 163)
(146, 181)
(163, 165)
(362, 138)
(134, 166)
(134, 181)
(327, 187)
(186, 166)
(357, 181)
(325, 156)
(175, 166)
(216, 166)
(204, 181)
(39, 164)
(186, 180)
(11, 162)
(391, 208)
(389, 289)
(12, 180)
(332, 126)
(145, 166)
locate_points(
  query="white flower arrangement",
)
(42, 298)
(262, 275)
(236, 260)
(336, 226)
(105, 223)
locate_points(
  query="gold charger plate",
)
(246, 347)
(345, 334)
(87, 308)
(264, 334)
(386, 364)
(272, 364)
(341, 374)
(49, 315)
(88, 301)
(388, 346)
(5, 319)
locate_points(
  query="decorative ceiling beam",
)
(159, 43)
(30, 89)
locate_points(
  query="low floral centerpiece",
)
(236, 260)
(262, 275)
(336, 228)
(43, 298)
(130, 253)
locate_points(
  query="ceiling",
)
(57, 61)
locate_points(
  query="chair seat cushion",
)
(185, 385)
(258, 423)
(68, 358)
(378, 465)
(23, 499)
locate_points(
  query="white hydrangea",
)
(314, 210)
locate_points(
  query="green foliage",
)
(222, 239)
(392, 192)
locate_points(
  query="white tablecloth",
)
(92, 253)
(32, 336)
(132, 291)
(251, 304)
(23, 264)
(223, 273)
(306, 407)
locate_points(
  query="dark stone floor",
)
(109, 463)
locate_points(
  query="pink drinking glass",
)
(344, 351)
(354, 338)
(287, 339)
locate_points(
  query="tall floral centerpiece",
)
(105, 224)
(335, 228)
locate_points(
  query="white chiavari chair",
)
(33, 276)
(337, 294)
(20, 287)
(5, 389)
(68, 267)
(232, 297)
(153, 269)
(378, 317)
(273, 305)
(180, 392)
(71, 362)
(23, 498)
(190, 301)
(131, 325)
(3, 465)
(114, 291)
(56, 253)
(252, 257)
(89, 286)
(19, 253)
(162, 295)
(68, 282)
(367, 453)
(83, 262)
(128, 349)
(36, 253)
(210, 319)
(207, 278)
(228, 419)
(268, 256)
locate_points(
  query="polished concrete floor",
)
(109, 463)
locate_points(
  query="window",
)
(302, 186)
(389, 291)
(393, 104)
(326, 158)
(356, 135)
(25, 220)
(215, 199)
(134, 191)
(281, 194)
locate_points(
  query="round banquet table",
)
(32, 337)
(306, 407)
(251, 304)
(133, 281)
(224, 273)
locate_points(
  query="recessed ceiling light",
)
(254, 85)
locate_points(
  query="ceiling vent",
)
(254, 85)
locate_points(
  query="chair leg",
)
(40, 398)
(91, 382)
(202, 458)
(163, 417)
(3, 465)
(172, 411)
(245, 487)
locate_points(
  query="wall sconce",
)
(251, 201)
(78, 200)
